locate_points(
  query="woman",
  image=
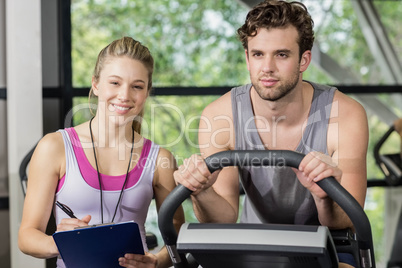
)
(103, 169)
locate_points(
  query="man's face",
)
(273, 62)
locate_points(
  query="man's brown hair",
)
(279, 14)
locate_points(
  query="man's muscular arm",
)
(215, 196)
(347, 147)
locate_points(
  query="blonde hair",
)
(133, 49)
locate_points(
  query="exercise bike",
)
(264, 245)
(391, 166)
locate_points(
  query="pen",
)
(66, 209)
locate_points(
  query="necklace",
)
(97, 170)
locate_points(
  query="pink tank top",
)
(79, 187)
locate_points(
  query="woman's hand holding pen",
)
(71, 223)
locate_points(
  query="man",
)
(279, 111)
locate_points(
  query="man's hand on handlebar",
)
(314, 167)
(194, 174)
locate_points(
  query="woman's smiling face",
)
(122, 88)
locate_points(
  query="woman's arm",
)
(44, 172)
(163, 185)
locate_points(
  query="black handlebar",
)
(267, 158)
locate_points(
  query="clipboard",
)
(98, 245)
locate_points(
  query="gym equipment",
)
(391, 166)
(23, 170)
(262, 245)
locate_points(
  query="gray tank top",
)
(274, 194)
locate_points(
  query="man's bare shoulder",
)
(216, 132)
(348, 107)
(348, 126)
(221, 106)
